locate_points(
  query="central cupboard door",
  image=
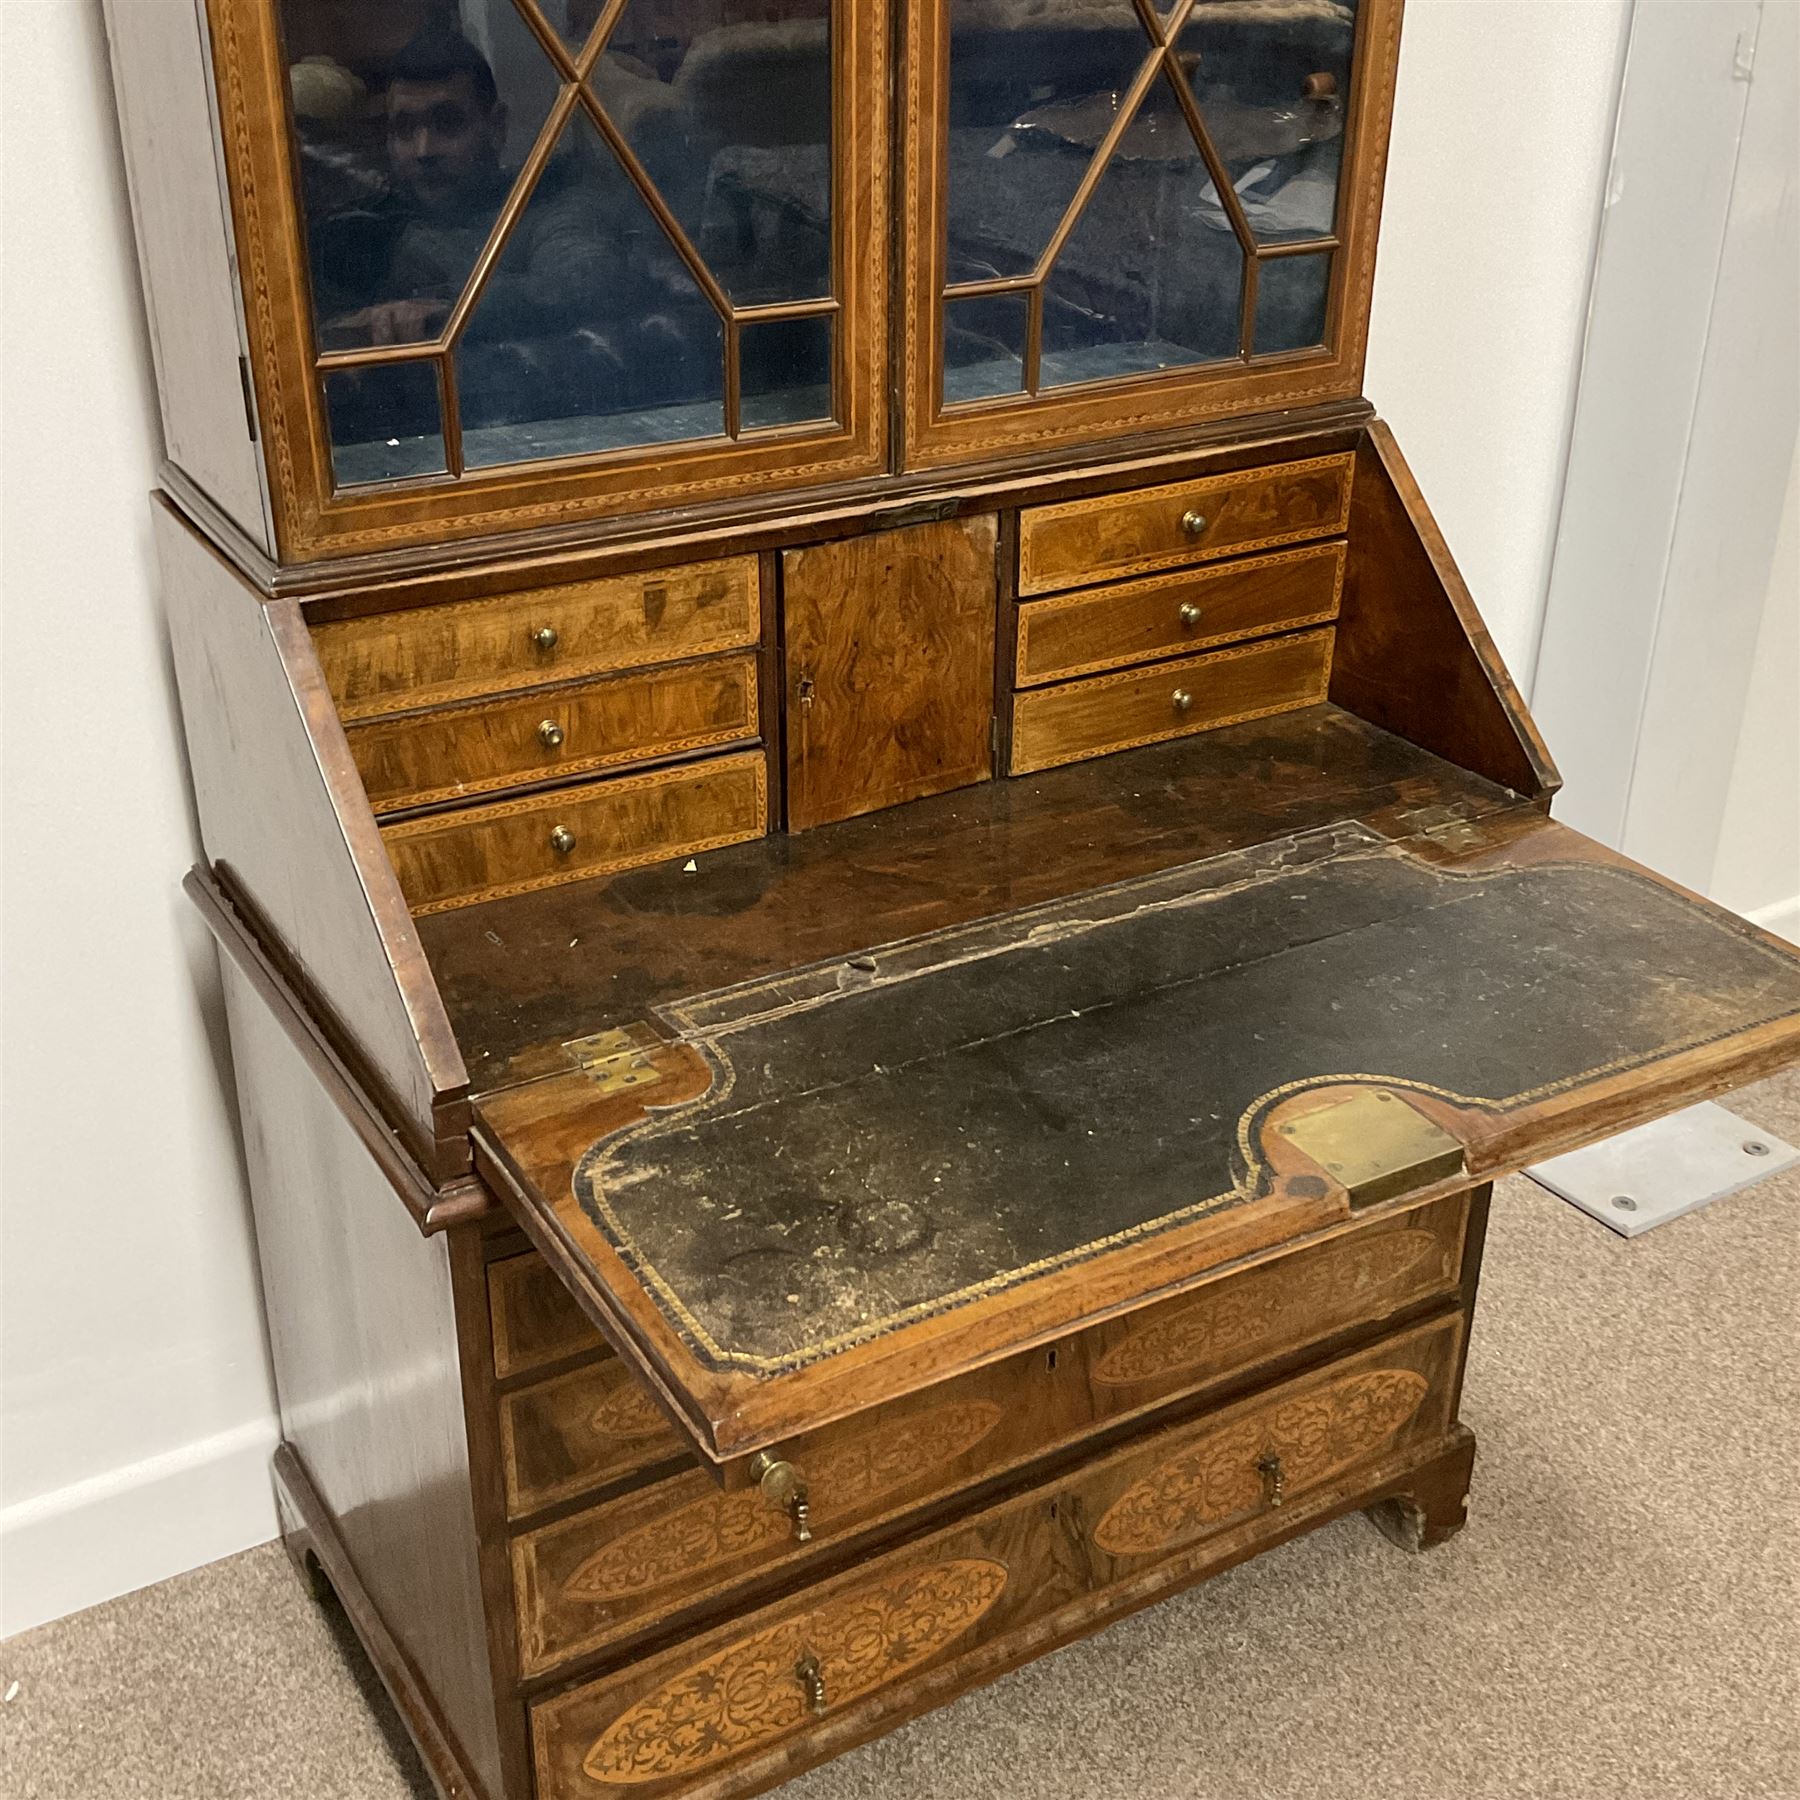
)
(513, 262)
(1126, 215)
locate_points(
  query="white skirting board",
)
(114, 1533)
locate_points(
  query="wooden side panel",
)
(1412, 653)
(363, 1335)
(283, 817)
(890, 667)
(164, 99)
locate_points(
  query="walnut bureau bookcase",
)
(884, 911)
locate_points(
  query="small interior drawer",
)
(1092, 630)
(856, 1651)
(601, 1576)
(534, 1317)
(1102, 713)
(455, 751)
(1118, 535)
(392, 662)
(598, 828)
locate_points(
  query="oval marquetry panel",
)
(1316, 1435)
(748, 1694)
(720, 1528)
(627, 1412)
(1240, 1316)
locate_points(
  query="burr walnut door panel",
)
(890, 668)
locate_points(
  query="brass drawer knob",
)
(562, 840)
(544, 638)
(782, 1487)
(1193, 523)
(1181, 699)
(812, 1678)
(550, 735)
(1189, 615)
(1274, 1480)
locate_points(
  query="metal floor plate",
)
(1666, 1168)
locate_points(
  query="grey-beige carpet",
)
(1620, 1619)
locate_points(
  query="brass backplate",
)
(1376, 1143)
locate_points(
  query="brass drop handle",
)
(562, 840)
(1193, 523)
(782, 1487)
(812, 1678)
(1274, 1480)
(1189, 615)
(544, 638)
(1181, 700)
(550, 735)
(804, 690)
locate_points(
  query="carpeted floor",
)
(1619, 1621)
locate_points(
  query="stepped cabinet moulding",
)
(885, 913)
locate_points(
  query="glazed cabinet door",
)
(1125, 215)
(518, 262)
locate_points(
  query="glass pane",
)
(984, 347)
(1273, 85)
(1291, 294)
(727, 104)
(385, 423)
(1151, 277)
(1032, 90)
(784, 368)
(591, 333)
(410, 119)
(573, 20)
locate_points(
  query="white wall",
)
(1757, 868)
(134, 1401)
(1502, 127)
(135, 1404)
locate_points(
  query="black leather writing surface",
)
(894, 1134)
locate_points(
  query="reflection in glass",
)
(1291, 296)
(1032, 91)
(406, 145)
(1151, 277)
(430, 207)
(385, 423)
(591, 333)
(984, 346)
(728, 107)
(784, 369)
(1273, 84)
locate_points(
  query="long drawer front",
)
(764, 1696)
(515, 846)
(596, 1579)
(1103, 713)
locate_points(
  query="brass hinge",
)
(618, 1059)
